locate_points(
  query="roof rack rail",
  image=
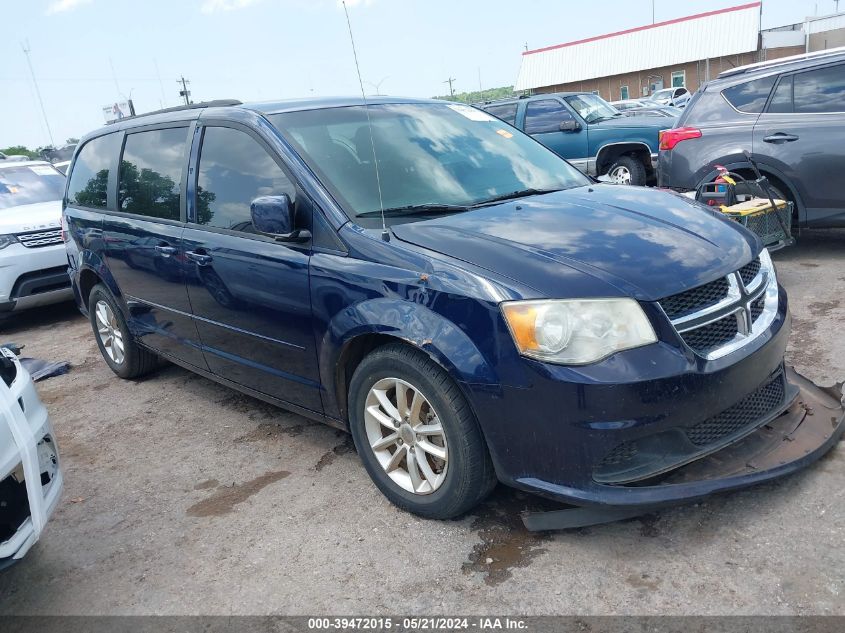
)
(830, 52)
(217, 103)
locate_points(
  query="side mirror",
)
(273, 215)
(570, 125)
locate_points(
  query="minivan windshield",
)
(28, 184)
(433, 158)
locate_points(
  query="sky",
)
(90, 53)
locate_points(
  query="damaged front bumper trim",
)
(810, 426)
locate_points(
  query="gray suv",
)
(789, 113)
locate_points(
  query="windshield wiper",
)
(415, 209)
(523, 193)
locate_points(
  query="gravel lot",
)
(185, 497)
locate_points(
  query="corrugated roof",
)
(713, 34)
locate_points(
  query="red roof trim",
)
(697, 16)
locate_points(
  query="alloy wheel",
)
(621, 175)
(406, 436)
(109, 332)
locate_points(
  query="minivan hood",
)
(31, 217)
(643, 243)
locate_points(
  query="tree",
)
(20, 149)
(491, 94)
(72, 141)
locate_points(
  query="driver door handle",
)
(780, 137)
(201, 258)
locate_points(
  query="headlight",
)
(6, 240)
(576, 331)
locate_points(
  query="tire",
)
(628, 170)
(110, 330)
(455, 484)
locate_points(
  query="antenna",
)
(385, 234)
(26, 50)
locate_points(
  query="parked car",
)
(587, 131)
(33, 264)
(669, 112)
(62, 165)
(463, 301)
(30, 478)
(678, 97)
(789, 113)
(628, 104)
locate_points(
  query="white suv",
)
(33, 263)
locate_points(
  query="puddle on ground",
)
(347, 446)
(225, 498)
(505, 542)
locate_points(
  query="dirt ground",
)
(185, 497)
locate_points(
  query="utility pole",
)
(184, 92)
(451, 90)
(26, 49)
(652, 11)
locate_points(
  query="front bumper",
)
(557, 435)
(28, 462)
(31, 277)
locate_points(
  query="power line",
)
(26, 50)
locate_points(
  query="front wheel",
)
(627, 170)
(416, 435)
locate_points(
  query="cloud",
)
(212, 6)
(60, 6)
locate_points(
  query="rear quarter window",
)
(89, 181)
(751, 96)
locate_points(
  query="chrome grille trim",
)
(740, 305)
(40, 238)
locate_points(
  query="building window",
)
(623, 92)
(679, 79)
(595, 92)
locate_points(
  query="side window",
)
(782, 98)
(545, 115)
(235, 169)
(505, 111)
(151, 173)
(89, 181)
(821, 90)
(751, 96)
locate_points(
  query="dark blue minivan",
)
(468, 305)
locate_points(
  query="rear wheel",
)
(122, 354)
(627, 170)
(416, 435)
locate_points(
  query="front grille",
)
(642, 460)
(622, 454)
(749, 271)
(696, 298)
(40, 238)
(704, 339)
(757, 308)
(740, 416)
